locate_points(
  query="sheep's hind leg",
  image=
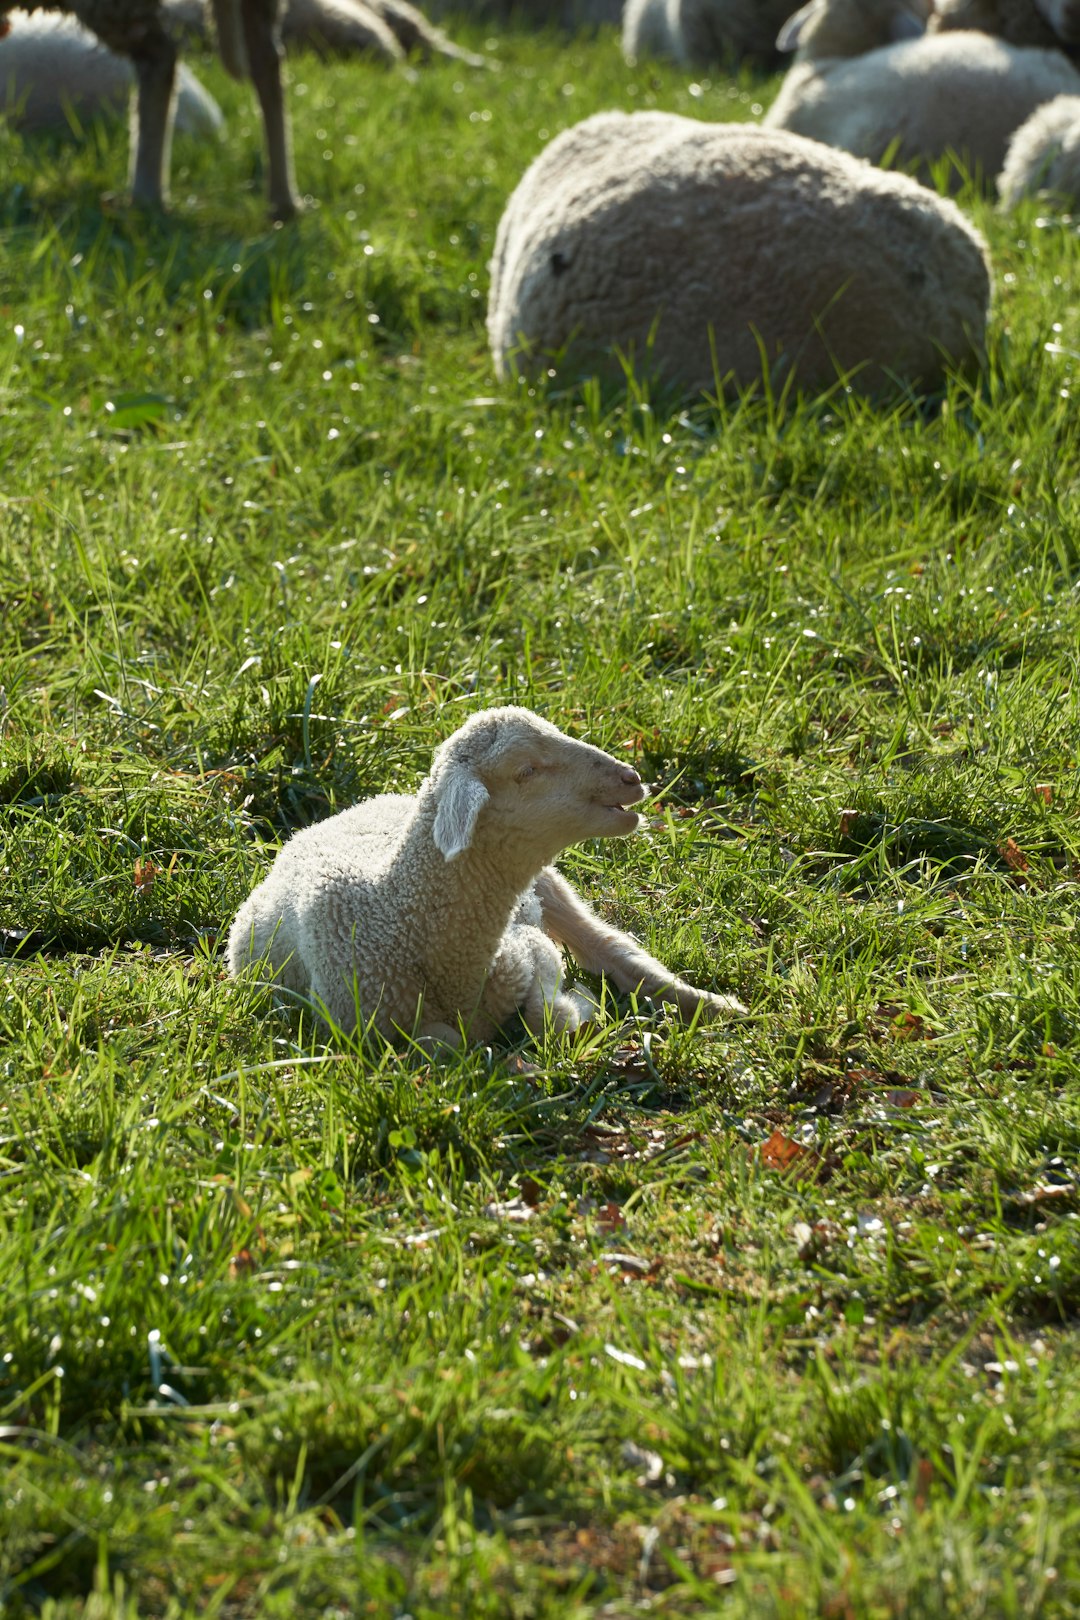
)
(264, 53)
(152, 121)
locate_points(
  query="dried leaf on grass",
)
(1013, 856)
(789, 1157)
(145, 873)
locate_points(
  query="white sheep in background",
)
(52, 67)
(704, 33)
(1044, 156)
(701, 249)
(422, 913)
(957, 95)
(1021, 22)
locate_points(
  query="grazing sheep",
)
(703, 250)
(1046, 23)
(51, 68)
(705, 33)
(1044, 155)
(419, 913)
(956, 95)
(249, 47)
(392, 29)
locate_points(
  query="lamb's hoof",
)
(713, 1006)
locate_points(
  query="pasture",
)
(770, 1319)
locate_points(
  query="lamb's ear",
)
(788, 37)
(462, 796)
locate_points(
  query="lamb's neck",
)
(471, 897)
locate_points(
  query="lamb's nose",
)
(630, 777)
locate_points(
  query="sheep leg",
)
(152, 121)
(264, 54)
(600, 948)
(567, 1010)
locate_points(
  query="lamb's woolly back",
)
(418, 913)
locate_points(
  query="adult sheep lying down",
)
(700, 249)
(917, 99)
(429, 914)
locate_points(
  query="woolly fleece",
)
(660, 237)
(419, 912)
(1044, 155)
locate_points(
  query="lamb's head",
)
(518, 782)
(830, 28)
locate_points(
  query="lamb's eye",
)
(523, 773)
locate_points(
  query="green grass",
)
(779, 1319)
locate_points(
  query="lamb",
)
(51, 68)
(704, 33)
(1044, 155)
(701, 251)
(955, 95)
(249, 46)
(1047, 23)
(419, 914)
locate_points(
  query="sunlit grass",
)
(776, 1319)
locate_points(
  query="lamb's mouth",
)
(624, 806)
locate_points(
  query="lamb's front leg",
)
(526, 978)
(152, 120)
(599, 948)
(264, 54)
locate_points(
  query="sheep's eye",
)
(523, 773)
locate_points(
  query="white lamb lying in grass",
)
(422, 915)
